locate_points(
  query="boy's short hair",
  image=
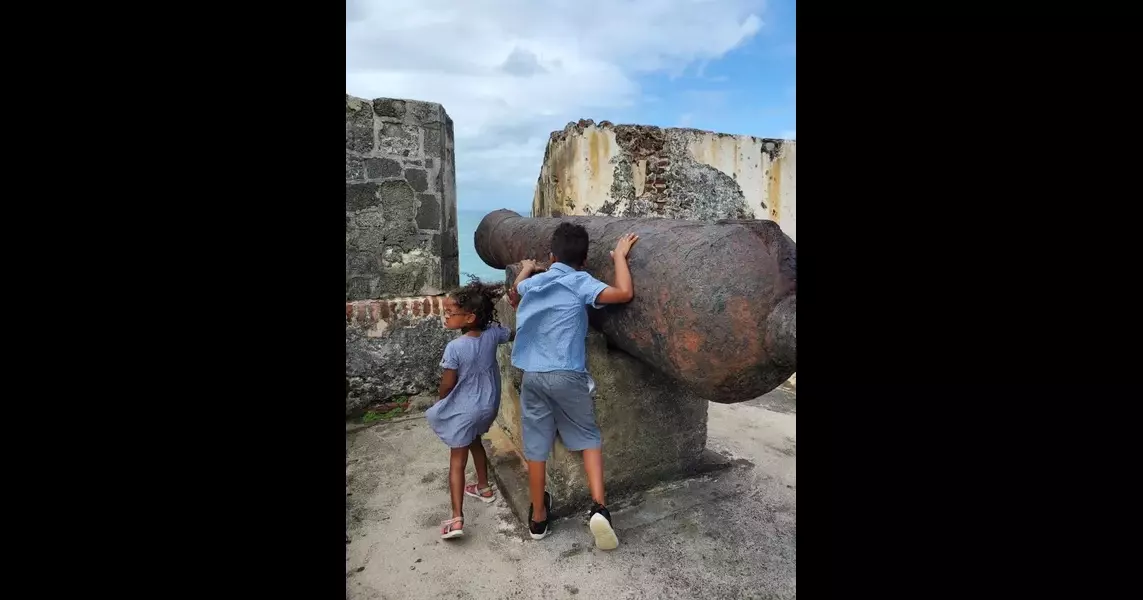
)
(569, 244)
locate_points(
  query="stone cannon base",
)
(653, 431)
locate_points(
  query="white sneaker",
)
(600, 525)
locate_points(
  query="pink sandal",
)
(485, 495)
(448, 532)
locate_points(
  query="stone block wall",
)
(400, 199)
(638, 170)
(393, 347)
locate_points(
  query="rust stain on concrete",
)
(774, 189)
(595, 150)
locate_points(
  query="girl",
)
(469, 392)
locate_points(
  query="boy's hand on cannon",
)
(623, 246)
(530, 266)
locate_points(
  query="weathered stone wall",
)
(400, 199)
(636, 170)
(393, 347)
(400, 241)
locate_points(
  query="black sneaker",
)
(540, 531)
(600, 525)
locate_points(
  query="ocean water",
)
(466, 223)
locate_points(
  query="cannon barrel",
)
(715, 304)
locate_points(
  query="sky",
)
(509, 72)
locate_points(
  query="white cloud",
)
(511, 71)
(790, 135)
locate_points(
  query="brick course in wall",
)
(368, 313)
(657, 180)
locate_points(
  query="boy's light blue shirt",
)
(551, 320)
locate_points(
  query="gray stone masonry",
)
(400, 199)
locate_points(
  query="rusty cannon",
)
(715, 304)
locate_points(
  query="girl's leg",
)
(458, 460)
(481, 489)
(480, 462)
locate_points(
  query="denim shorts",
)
(557, 402)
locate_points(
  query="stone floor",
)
(731, 534)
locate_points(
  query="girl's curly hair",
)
(479, 298)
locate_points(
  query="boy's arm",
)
(527, 268)
(623, 290)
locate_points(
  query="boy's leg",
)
(593, 467)
(537, 479)
(575, 422)
(593, 457)
(574, 412)
(539, 429)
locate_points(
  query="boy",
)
(556, 392)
